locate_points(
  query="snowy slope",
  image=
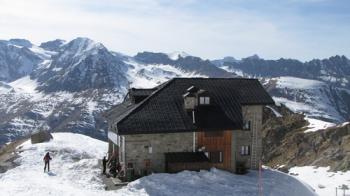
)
(24, 109)
(315, 125)
(74, 168)
(143, 75)
(72, 85)
(217, 182)
(315, 98)
(322, 180)
(16, 59)
(326, 81)
(74, 171)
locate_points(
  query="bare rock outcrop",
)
(286, 143)
(40, 137)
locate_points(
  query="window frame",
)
(220, 157)
(249, 125)
(204, 100)
(245, 150)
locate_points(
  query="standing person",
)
(47, 159)
(104, 164)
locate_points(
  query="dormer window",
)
(204, 100)
(246, 125)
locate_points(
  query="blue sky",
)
(302, 29)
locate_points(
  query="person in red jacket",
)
(47, 159)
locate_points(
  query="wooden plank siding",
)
(217, 143)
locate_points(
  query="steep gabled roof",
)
(142, 92)
(163, 111)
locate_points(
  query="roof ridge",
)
(145, 100)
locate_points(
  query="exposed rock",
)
(40, 137)
(8, 153)
(286, 143)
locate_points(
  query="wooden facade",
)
(218, 141)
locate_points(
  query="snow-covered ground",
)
(306, 96)
(218, 182)
(74, 168)
(74, 171)
(315, 125)
(322, 180)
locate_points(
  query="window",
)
(147, 163)
(204, 100)
(245, 150)
(130, 165)
(246, 125)
(216, 157)
(201, 100)
(207, 100)
(148, 149)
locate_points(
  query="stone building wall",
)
(240, 138)
(253, 137)
(137, 147)
(141, 147)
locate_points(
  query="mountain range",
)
(66, 85)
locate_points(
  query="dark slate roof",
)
(186, 157)
(142, 92)
(163, 111)
(121, 110)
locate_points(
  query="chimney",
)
(191, 102)
(190, 98)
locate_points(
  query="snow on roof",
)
(74, 171)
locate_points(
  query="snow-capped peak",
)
(255, 56)
(20, 42)
(229, 59)
(175, 55)
(53, 45)
(81, 45)
(79, 48)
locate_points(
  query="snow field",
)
(316, 125)
(298, 83)
(322, 180)
(75, 171)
